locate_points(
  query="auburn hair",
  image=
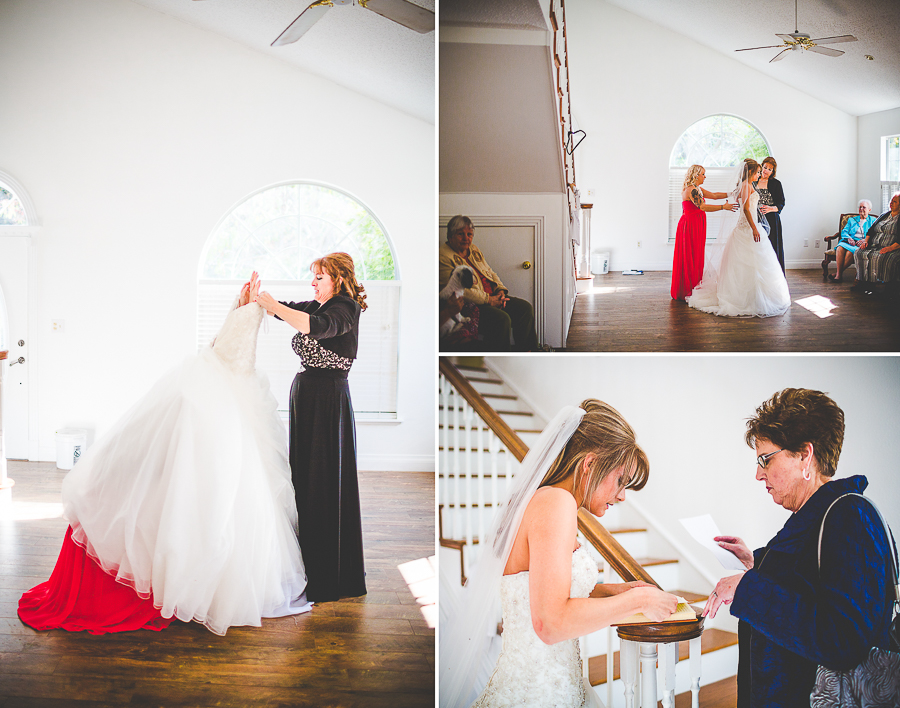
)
(340, 267)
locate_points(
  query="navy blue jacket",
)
(793, 618)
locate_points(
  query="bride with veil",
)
(743, 276)
(546, 583)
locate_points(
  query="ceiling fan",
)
(400, 11)
(796, 40)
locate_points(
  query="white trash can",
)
(70, 445)
(600, 263)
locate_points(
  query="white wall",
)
(134, 133)
(871, 129)
(689, 414)
(636, 87)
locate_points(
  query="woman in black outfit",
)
(771, 204)
(323, 432)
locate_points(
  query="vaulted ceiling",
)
(350, 46)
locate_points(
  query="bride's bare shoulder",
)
(552, 502)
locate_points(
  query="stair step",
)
(454, 408)
(720, 694)
(469, 449)
(504, 396)
(520, 431)
(483, 379)
(711, 640)
(472, 367)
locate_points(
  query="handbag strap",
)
(888, 534)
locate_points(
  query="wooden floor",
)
(635, 313)
(370, 651)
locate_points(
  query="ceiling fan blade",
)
(750, 49)
(780, 55)
(787, 37)
(835, 40)
(826, 51)
(405, 13)
(301, 25)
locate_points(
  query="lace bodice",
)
(528, 671)
(236, 342)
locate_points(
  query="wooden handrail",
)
(612, 551)
(501, 428)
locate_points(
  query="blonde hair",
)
(605, 434)
(340, 267)
(691, 175)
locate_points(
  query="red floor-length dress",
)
(80, 595)
(690, 242)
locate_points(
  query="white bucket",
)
(600, 263)
(70, 445)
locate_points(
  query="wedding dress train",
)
(188, 500)
(530, 672)
(748, 280)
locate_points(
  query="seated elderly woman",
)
(796, 612)
(852, 235)
(500, 314)
(878, 257)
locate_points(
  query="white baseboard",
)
(396, 463)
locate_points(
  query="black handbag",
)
(875, 683)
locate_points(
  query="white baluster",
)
(628, 664)
(695, 672)
(494, 447)
(668, 657)
(469, 496)
(611, 635)
(648, 674)
(456, 466)
(479, 442)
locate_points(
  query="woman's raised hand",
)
(246, 295)
(254, 286)
(656, 605)
(266, 301)
(736, 545)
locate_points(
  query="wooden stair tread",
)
(453, 408)
(474, 379)
(692, 597)
(441, 426)
(469, 449)
(710, 640)
(472, 367)
(721, 694)
(504, 396)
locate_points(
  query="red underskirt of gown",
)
(80, 596)
(690, 242)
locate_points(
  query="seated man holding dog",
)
(500, 314)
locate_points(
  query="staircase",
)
(471, 483)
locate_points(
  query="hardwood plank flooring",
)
(372, 651)
(635, 313)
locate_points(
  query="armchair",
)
(831, 242)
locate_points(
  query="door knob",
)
(526, 265)
(20, 360)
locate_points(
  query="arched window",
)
(719, 143)
(12, 209)
(279, 231)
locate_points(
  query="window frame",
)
(212, 308)
(888, 185)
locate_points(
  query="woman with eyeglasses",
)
(797, 612)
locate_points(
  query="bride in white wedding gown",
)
(744, 278)
(188, 499)
(586, 457)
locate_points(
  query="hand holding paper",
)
(704, 530)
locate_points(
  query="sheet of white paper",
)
(704, 529)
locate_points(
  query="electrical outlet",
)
(639, 244)
(58, 325)
(817, 243)
(806, 243)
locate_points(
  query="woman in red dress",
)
(690, 239)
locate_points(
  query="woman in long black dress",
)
(771, 204)
(323, 432)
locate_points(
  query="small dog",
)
(462, 278)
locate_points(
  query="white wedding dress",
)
(189, 496)
(748, 281)
(529, 672)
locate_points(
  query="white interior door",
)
(508, 249)
(14, 254)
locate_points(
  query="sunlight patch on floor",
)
(607, 289)
(29, 511)
(421, 578)
(820, 306)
